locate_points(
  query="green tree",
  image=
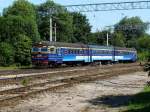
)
(22, 15)
(6, 54)
(23, 50)
(81, 28)
(131, 28)
(118, 40)
(99, 37)
(11, 26)
(21, 8)
(144, 43)
(63, 21)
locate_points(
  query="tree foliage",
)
(99, 37)
(63, 21)
(81, 28)
(21, 8)
(6, 54)
(144, 43)
(11, 26)
(131, 28)
(21, 16)
(118, 40)
(18, 27)
(23, 49)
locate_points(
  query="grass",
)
(25, 81)
(14, 67)
(140, 102)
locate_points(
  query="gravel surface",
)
(108, 95)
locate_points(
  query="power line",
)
(105, 6)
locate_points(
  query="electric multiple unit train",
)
(57, 53)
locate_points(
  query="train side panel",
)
(125, 54)
(102, 53)
(75, 54)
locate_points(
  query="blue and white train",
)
(57, 53)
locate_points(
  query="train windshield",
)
(44, 50)
(35, 49)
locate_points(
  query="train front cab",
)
(46, 56)
(39, 56)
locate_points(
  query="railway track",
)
(55, 71)
(13, 96)
(28, 71)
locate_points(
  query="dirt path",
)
(98, 96)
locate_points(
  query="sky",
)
(98, 20)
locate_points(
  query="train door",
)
(89, 54)
(113, 54)
(59, 54)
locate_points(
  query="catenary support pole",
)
(107, 39)
(51, 30)
(55, 32)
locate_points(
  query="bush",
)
(143, 56)
(6, 54)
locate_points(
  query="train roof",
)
(124, 48)
(61, 44)
(101, 47)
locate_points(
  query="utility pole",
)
(107, 39)
(51, 30)
(55, 28)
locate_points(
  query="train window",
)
(126, 53)
(80, 51)
(35, 49)
(96, 52)
(66, 52)
(100, 52)
(116, 52)
(108, 52)
(83, 51)
(44, 49)
(120, 52)
(105, 52)
(52, 50)
(76, 51)
(70, 51)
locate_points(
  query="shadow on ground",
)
(136, 103)
(140, 103)
(111, 101)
